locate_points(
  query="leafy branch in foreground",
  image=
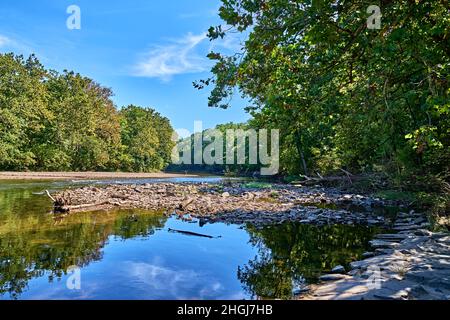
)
(343, 95)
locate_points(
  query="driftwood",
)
(310, 181)
(348, 175)
(189, 233)
(50, 196)
(64, 209)
(186, 203)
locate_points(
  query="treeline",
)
(224, 168)
(344, 96)
(54, 121)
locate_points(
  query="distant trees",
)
(232, 169)
(64, 121)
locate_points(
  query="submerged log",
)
(189, 233)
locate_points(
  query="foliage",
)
(147, 138)
(343, 95)
(188, 144)
(53, 121)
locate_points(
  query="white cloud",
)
(177, 57)
(4, 41)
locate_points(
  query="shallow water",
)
(131, 254)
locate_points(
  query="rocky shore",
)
(233, 203)
(412, 264)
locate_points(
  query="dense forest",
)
(64, 121)
(345, 96)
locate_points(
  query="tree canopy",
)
(342, 94)
(64, 121)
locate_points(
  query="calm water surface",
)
(132, 255)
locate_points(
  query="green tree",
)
(53, 121)
(343, 95)
(23, 109)
(147, 137)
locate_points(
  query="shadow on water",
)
(130, 254)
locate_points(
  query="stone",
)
(423, 232)
(383, 244)
(338, 269)
(358, 264)
(368, 254)
(391, 237)
(300, 290)
(441, 237)
(407, 227)
(333, 277)
(386, 295)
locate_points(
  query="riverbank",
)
(87, 175)
(413, 264)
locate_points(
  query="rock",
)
(300, 290)
(358, 264)
(225, 195)
(441, 236)
(423, 232)
(383, 244)
(333, 277)
(338, 269)
(386, 295)
(391, 237)
(368, 254)
(407, 227)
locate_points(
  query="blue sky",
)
(149, 52)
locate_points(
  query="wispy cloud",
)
(4, 41)
(179, 56)
(17, 45)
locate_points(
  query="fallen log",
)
(189, 233)
(348, 175)
(65, 209)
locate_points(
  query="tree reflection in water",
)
(292, 254)
(34, 245)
